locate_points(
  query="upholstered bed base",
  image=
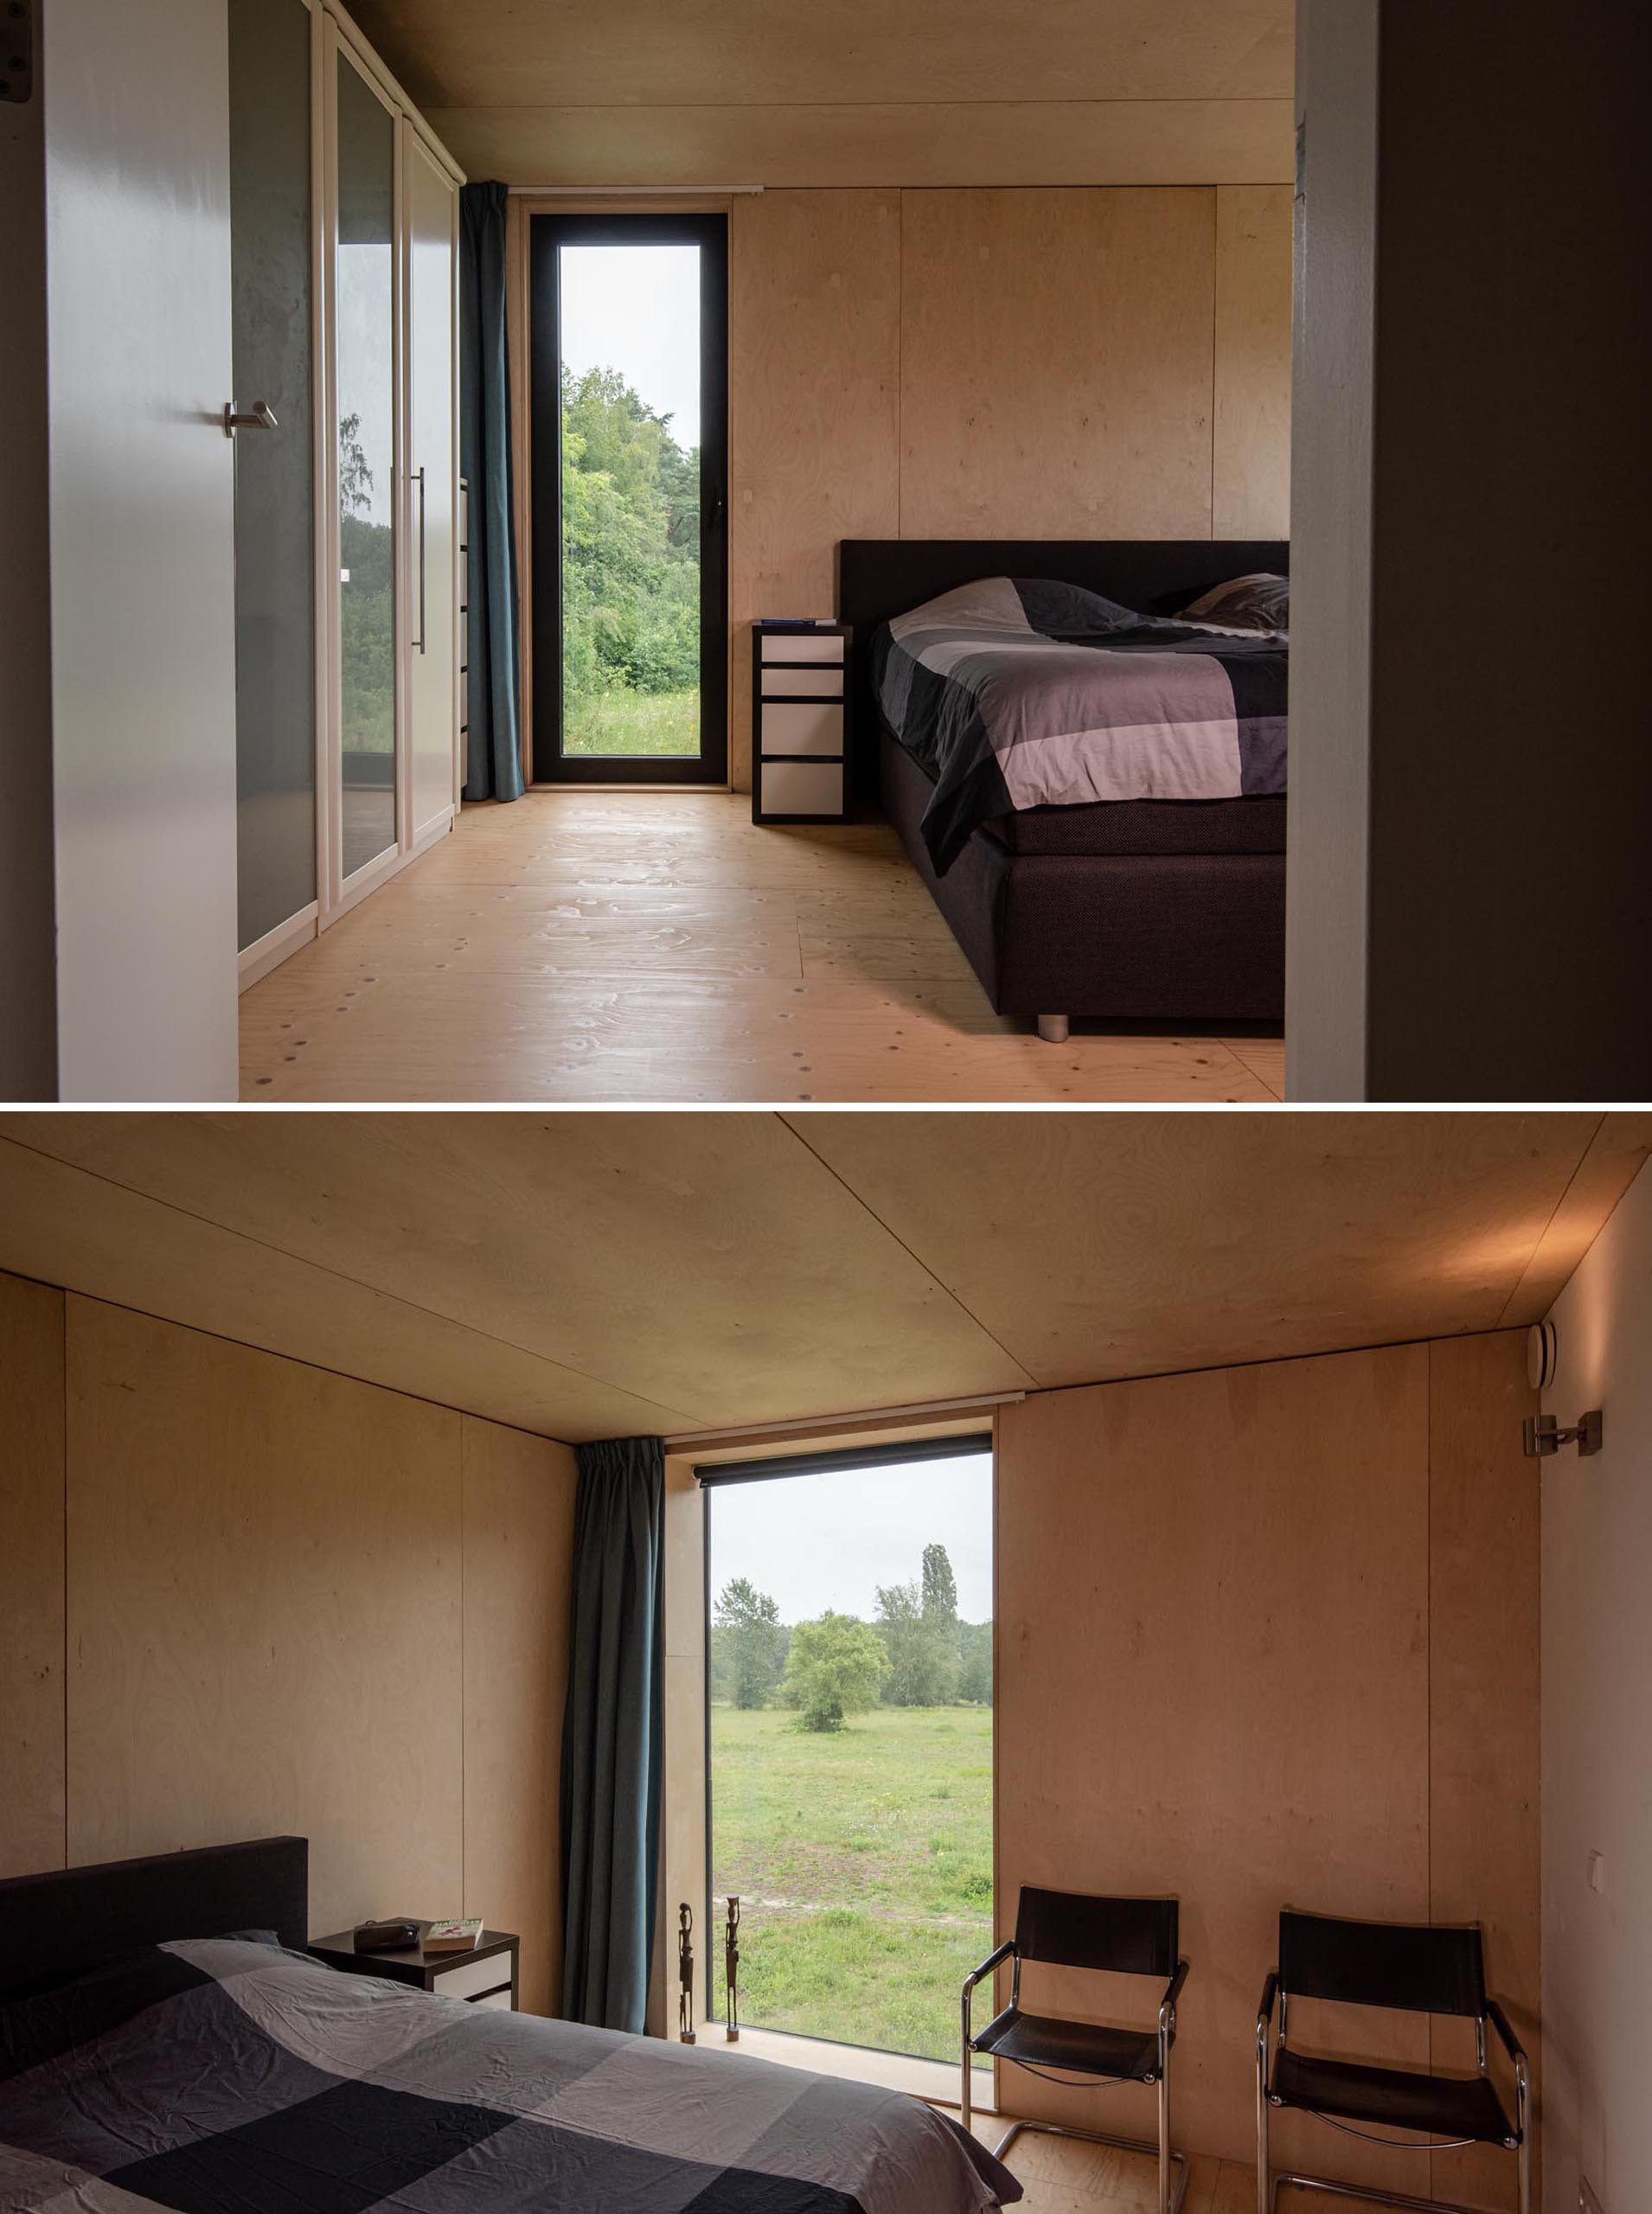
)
(1159, 937)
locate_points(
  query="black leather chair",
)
(1126, 1936)
(1413, 1969)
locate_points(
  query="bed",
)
(165, 2042)
(1160, 909)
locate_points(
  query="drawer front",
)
(798, 726)
(499, 1999)
(466, 1978)
(812, 683)
(801, 645)
(803, 788)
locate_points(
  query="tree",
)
(921, 1643)
(631, 543)
(975, 1655)
(751, 1657)
(940, 1588)
(833, 1670)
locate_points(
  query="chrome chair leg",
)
(1164, 2139)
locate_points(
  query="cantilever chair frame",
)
(1170, 2197)
(1268, 2181)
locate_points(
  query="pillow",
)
(57, 2017)
(1069, 611)
(1255, 603)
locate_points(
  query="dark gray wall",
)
(28, 959)
(1508, 919)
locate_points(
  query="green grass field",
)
(632, 723)
(863, 1863)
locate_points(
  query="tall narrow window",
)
(630, 496)
(849, 1739)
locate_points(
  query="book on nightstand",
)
(454, 1937)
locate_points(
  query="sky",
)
(814, 1542)
(637, 309)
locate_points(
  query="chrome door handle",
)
(261, 418)
(419, 642)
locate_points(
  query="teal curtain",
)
(493, 766)
(611, 1749)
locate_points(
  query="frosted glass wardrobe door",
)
(432, 704)
(271, 256)
(364, 282)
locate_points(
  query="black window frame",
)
(548, 234)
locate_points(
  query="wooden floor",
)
(590, 946)
(1060, 2176)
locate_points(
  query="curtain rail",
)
(857, 1418)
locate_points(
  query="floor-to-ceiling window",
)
(630, 497)
(849, 1728)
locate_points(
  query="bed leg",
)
(1053, 1029)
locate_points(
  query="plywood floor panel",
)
(595, 947)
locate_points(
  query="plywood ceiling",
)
(586, 1276)
(638, 91)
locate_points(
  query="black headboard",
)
(878, 577)
(54, 1925)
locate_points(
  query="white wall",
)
(143, 732)
(1598, 1729)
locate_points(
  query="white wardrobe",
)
(344, 240)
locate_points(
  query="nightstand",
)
(486, 1975)
(800, 771)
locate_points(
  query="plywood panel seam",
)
(1560, 1200)
(63, 1345)
(986, 100)
(1215, 329)
(787, 1122)
(341, 1276)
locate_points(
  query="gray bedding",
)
(1014, 693)
(227, 2077)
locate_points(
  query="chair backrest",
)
(1071, 1930)
(1418, 1968)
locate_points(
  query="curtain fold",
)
(493, 766)
(611, 1736)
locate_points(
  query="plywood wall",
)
(997, 364)
(989, 362)
(31, 1561)
(288, 1601)
(1056, 363)
(1245, 1655)
(518, 1529)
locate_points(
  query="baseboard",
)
(273, 948)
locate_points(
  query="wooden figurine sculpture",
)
(731, 1970)
(685, 1972)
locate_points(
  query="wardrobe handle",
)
(419, 640)
(260, 417)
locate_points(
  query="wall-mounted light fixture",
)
(1542, 1353)
(1542, 1434)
